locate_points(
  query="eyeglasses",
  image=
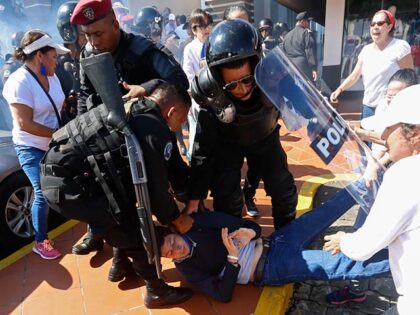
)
(203, 26)
(379, 23)
(245, 80)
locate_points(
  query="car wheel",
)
(16, 197)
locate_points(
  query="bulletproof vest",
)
(248, 129)
(87, 159)
(9, 67)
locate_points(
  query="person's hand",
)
(332, 243)
(314, 75)
(183, 223)
(191, 207)
(334, 96)
(228, 242)
(243, 236)
(371, 174)
(133, 91)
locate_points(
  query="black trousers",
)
(268, 159)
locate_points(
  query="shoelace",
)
(48, 245)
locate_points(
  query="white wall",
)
(334, 24)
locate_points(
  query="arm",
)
(406, 62)
(178, 170)
(188, 63)
(23, 115)
(348, 82)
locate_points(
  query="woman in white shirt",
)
(35, 118)
(377, 62)
(200, 24)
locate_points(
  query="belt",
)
(259, 269)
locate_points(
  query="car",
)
(16, 193)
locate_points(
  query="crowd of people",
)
(172, 67)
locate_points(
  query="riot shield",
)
(305, 111)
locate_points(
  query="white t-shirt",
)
(22, 88)
(394, 221)
(192, 58)
(373, 123)
(379, 66)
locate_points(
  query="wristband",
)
(232, 257)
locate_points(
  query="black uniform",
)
(219, 152)
(299, 46)
(10, 66)
(139, 61)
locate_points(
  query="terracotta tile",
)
(11, 288)
(65, 236)
(11, 309)
(137, 310)
(50, 278)
(17, 267)
(66, 302)
(198, 304)
(93, 270)
(107, 298)
(244, 301)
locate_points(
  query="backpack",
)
(87, 162)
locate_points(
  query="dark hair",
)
(182, 19)
(28, 39)
(234, 8)
(199, 17)
(409, 130)
(166, 94)
(235, 64)
(161, 233)
(406, 76)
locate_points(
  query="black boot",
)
(160, 294)
(89, 244)
(121, 266)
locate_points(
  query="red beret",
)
(89, 11)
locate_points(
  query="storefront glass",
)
(356, 29)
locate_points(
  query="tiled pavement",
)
(78, 284)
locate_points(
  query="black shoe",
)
(87, 245)
(251, 208)
(171, 296)
(120, 270)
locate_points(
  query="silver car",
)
(16, 193)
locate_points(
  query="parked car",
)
(16, 193)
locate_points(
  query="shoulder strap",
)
(48, 95)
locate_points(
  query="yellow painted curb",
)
(28, 248)
(275, 300)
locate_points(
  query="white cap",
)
(404, 108)
(171, 17)
(45, 41)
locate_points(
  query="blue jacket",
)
(209, 256)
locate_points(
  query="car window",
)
(5, 118)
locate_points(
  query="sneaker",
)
(345, 295)
(251, 208)
(46, 250)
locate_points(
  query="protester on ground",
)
(35, 97)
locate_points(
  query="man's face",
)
(177, 116)
(242, 91)
(174, 247)
(103, 35)
(396, 143)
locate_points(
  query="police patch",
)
(167, 152)
(89, 13)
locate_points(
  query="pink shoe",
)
(46, 250)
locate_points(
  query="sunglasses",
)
(245, 80)
(379, 23)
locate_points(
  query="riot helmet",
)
(68, 32)
(148, 22)
(16, 39)
(281, 28)
(232, 40)
(266, 25)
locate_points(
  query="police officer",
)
(238, 121)
(299, 46)
(11, 65)
(141, 66)
(265, 28)
(68, 65)
(149, 23)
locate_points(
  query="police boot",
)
(121, 266)
(89, 244)
(160, 294)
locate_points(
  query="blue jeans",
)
(29, 159)
(289, 261)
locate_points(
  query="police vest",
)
(249, 129)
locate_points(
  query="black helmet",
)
(280, 28)
(232, 40)
(265, 23)
(68, 32)
(148, 22)
(16, 39)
